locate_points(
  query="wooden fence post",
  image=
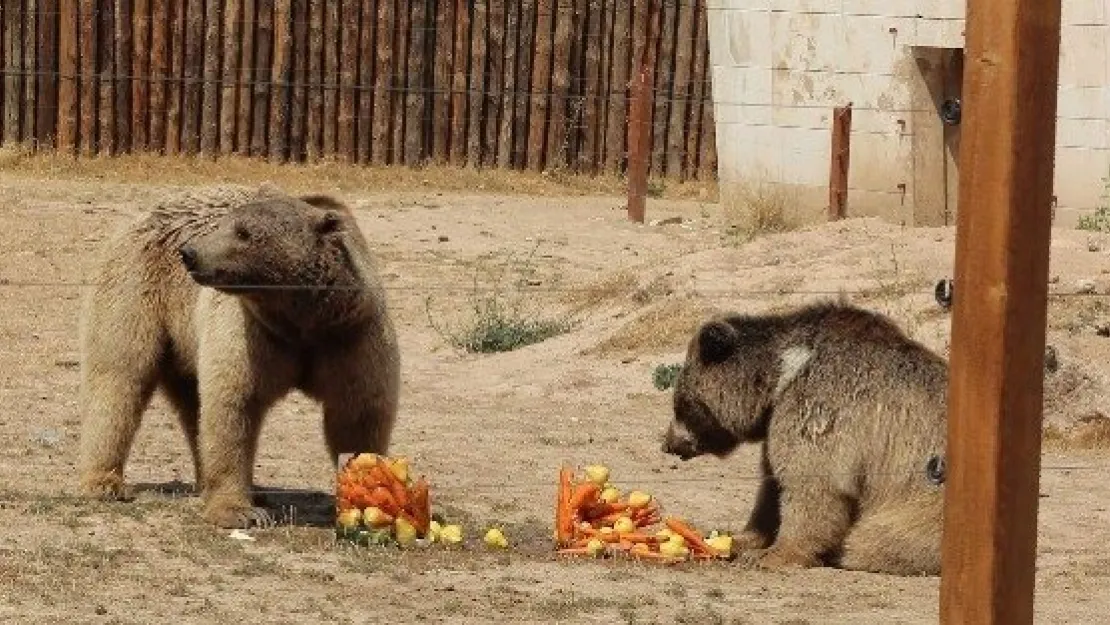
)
(639, 123)
(998, 329)
(839, 160)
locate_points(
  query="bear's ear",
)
(330, 222)
(325, 202)
(717, 341)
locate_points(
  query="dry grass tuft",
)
(759, 208)
(595, 294)
(339, 176)
(1088, 432)
(667, 326)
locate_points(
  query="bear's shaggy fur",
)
(227, 299)
(852, 416)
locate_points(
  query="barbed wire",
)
(454, 287)
(706, 6)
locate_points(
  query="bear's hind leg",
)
(902, 538)
(118, 377)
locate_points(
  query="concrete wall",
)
(781, 66)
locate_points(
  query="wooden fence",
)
(535, 84)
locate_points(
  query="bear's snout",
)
(679, 442)
(188, 255)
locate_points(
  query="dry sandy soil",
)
(491, 430)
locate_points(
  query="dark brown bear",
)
(851, 415)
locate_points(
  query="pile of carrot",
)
(593, 519)
(376, 495)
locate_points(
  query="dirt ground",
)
(491, 430)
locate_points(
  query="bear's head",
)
(273, 242)
(721, 394)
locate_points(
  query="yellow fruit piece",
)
(664, 533)
(374, 517)
(404, 531)
(349, 518)
(598, 474)
(400, 468)
(637, 499)
(496, 538)
(673, 549)
(451, 534)
(722, 543)
(610, 495)
(624, 525)
(677, 539)
(364, 461)
(595, 547)
(434, 529)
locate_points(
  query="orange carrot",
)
(608, 519)
(374, 475)
(582, 495)
(382, 498)
(396, 487)
(564, 521)
(637, 537)
(609, 537)
(693, 538)
(598, 510)
(421, 505)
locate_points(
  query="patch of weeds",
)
(664, 376)
(499, 321)
(656, 187)
(1099, 221)
(759, 208)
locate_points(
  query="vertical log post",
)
(838, 161)
(998, 327)
(639, 123)
(67, 74)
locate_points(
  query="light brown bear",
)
(852, 418)
(227, 299)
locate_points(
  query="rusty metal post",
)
(639, 121)
(838, 162)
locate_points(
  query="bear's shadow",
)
(295, 507)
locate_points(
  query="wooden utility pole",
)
(639, 121)
(839, 158)
(998, 328)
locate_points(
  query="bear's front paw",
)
(749, 540)
(237, 516)
(105, 487)
(785, 558)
